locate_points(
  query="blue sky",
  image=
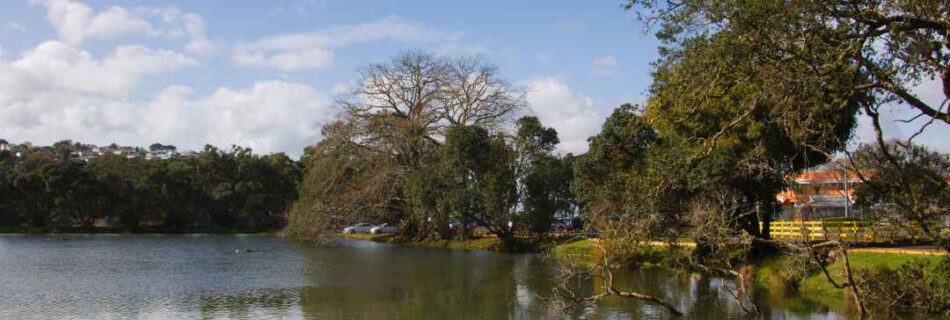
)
(263, 73)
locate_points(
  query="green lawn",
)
(365, 236)
(817, 288)
(581, 251)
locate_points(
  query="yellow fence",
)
(852, 230)
(849, 230)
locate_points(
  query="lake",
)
(213, 277)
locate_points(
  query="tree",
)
(892, 44)
(475, 95)
(394, 123)
(75, 193)
(161, 147)
(432, 204)
(8, 215)
(120, 177)
(343, 183)
(482, 185)
(31, 198)
(540, 174)
(600, 174)
(910, 179)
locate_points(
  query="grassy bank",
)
(580, 251)
(769, 274)
(520, 245)
(815, 287)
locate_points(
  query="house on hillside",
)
(85, 156)
(5, 146)
(129, 152)
(161, 155)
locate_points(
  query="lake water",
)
(202, 277)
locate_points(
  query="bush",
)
(913, 287)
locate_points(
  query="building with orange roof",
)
(820, 193)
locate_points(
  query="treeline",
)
(49, 189)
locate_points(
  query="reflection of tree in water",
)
(463, 285)
(698, 296)
(248, 304)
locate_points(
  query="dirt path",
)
(920, 251)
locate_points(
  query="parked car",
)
(575, 223)
(458, 224)
(559, 227)
(359, 228)
(383, 228)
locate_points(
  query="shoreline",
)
(767, 273)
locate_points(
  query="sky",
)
(264, 74)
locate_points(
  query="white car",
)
(383, 228)
(359, 228)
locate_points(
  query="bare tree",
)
(475, 95)
(404, 105)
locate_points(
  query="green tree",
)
(481, 179)
(907, 183)
(31, 199)
(600, 174)
(8, 214)
(892, 44)
(75, 192)
(540, 174)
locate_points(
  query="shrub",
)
(912, 287)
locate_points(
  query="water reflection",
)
(201, 277)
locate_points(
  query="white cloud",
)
(285, 61)
(341, 89)
(302, 8)
(75, 22)
(13, 27)
(269, 116)
(605, 65)
(56, 92)
(54, 65)
(300, 51)
(575, 117)
(607, 61)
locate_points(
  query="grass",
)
(520, 245)
(487, 243)
(365, 236)
(768, 272)
(817, 288)
(581, 251)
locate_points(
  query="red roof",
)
(826, 176)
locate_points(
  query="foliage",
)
(889, 46)
(911, 180)
(912, 286)
(422, 143)
(45, 188)
(544, 178)
(481, 179)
